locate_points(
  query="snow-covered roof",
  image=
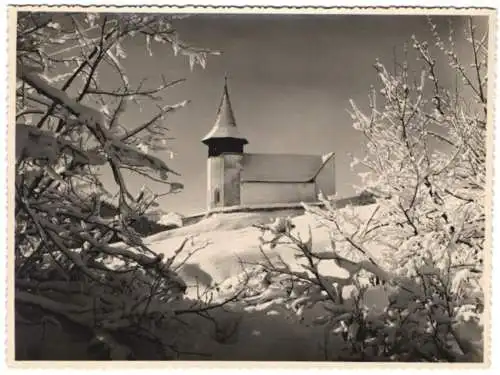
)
(225, 123)
(282, 167)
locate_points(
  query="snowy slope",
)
(227, 242)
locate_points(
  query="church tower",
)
(225, 151)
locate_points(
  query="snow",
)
(229, 245)
(222, 222)
(171, 219)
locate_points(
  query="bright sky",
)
(290, 81)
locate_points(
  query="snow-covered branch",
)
(69, 125)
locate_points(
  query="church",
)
(237, 178)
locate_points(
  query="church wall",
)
(215, 182)
(232, 171)
(277, 192)
(325, 180)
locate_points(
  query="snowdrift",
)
(224, 244)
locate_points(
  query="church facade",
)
(237, 178)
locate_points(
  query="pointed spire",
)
(225, 114)
(225, 122)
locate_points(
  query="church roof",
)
(225, 123)
(282, 167)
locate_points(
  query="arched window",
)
(216, 195)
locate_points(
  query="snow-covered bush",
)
(423, 243)
(71, 123)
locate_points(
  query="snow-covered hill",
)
(223, 245)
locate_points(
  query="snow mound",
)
(225, 245)
(172, 219)
(223, 221)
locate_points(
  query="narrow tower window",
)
(216, 195)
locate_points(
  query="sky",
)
(290, 82)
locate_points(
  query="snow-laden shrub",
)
(435, 315)
(423, 242)
(71, 125)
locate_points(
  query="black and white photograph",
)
(250, 184)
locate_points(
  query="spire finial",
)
(226, 89)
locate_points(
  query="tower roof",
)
(225, 123)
